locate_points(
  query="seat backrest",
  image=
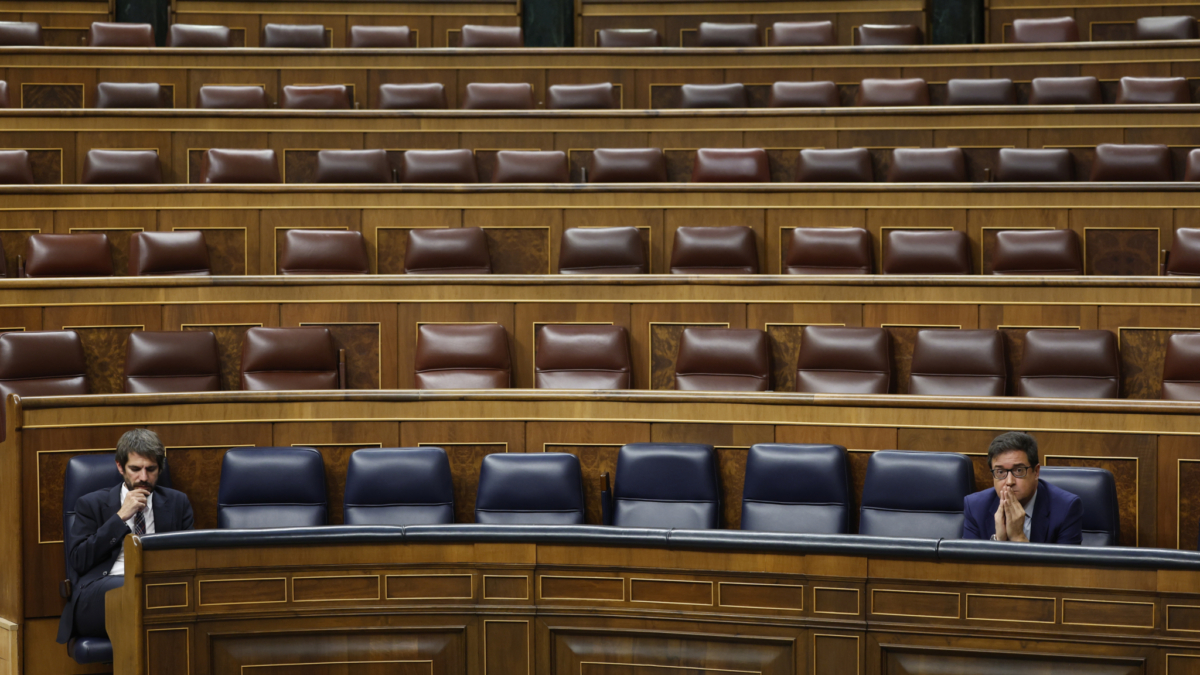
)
(602, 250)
(439, 166)
(4, 102)
(275, 359)
(353, 166)
(723, 359)
(103, 34)
(803, 34)
(880, 35)
(68, 255)
(1165, 28)
(627, 165)
(927, 165)
(323, 252)
(183, 253)
(1042, 252)
(40, 363)
(121, 167)
(628, 37)
(731, 165)
(1065, 91)
(239, 166)
(1097, 489)
(1130, 162)
(451, 250)
(874, 91)
(667, 485)
(531, 166)
(1181, 368)
(711, 34)
(294, 36)
(598, 96)
(498, 96)
(796, 488)
(1056, 29)
(505, 496)
(732, 95)
(316, 97)
(1185, 252)
(836, 360)
(236, 97)
(1069, 364)
(804, 95)
(714, 250)
(963, 91)
(169, 361)
(271, 487)
(21, 34)
(829, 250)
(192, 35)
(399, 486)
(379, 37)
(15, 168)
(413, 96)
(834, 165)
(1154, 90)
(462, 356)
(892, 508)
(958, 363)
(926, 252)
(1035, 165)
(491, 36)
(574, 356)
(129, 95)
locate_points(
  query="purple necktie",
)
(139, 523)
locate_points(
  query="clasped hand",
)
(135, 502)
(1010, 517)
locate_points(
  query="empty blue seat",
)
(399, 486)
(1097, 489)
(915, 494)
(667, 485)
(542, 488)
(796, 488)
(271, 487)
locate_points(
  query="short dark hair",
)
(1014, 440)
(140, 442)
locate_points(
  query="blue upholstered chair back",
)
(399, 486)
(667, 485)
(796, 488)
(915, 494)
(271, 487)
(544, 488)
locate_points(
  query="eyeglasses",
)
(1018, 471)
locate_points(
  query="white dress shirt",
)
(119, 566)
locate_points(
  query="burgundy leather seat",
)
(15, 168)
(294, 36)
(235, 97)
(926, 252)
(803, 34)
(323, 252)
(1069, 364)
(525, 166)
(599, 96)
(714, 250)
(439, 166)
(723, 359)
(498, 96)
(582, 357)
(192, 35)
(1154, 90)
(183, 253)
(129, 95)
(881, 35)
(1192, 171)
(4, 102)
(380, 37)
(1181, 368)
(628, 38)
(927, 165)
(239, 166)
(67, 255)
(158, 362)
(829, 250)
(1057, 29)
(836, 360)
(958, 363)
(316, 97)
(731, 165)
(1131, 162)
(1165, 28)
(837, 165)
(711, 34)
(21, 34)
(102, 34)
(462, 356)
(417, 96)
(279, 359)
(713, 96)
(1065, 91)
(491, 36)
(121, 167)
(1042, 252)
(451, 250)
(627, 165)
(353, 166)
(804, 95)
(884, 92)
(1184, 260)
(41, 363)
(999, 91)
(1035, 165)
(602, 250)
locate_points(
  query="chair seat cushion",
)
(91, 650)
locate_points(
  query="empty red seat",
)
(1181, 368)
(884, 92)
(803, 34)
(524, 166)
(462, 356)
(15, 168)
(234, 97)
(21, 34)
(881, 35)
(129, 95)
(491, 36)
(723, 359)
(1154, 90)
(927, 165)
(192, 35)
(1057, 29)
(999, 91)
(711, 34)
(452, 250)
(836, 360)
(714, 250)
(599, 96)
(67, 255)
(380, 37)
(41, 363)
(323, 252)
(1035, 165)
(834, 165)
(1069, 364)
(1184, 259)
(731, 165)
(121, 167)
(1131, 162)
(294, 36)
(713, 96)
(1165, 28)
(498, 96)
(1043, 252)
(1065, 91)
(582, 357)
(926, 252)
(1192, 171)
(182, 253)
(239, 166)
(158, 362)
(829, 250)
(627, 165)
(628, 37)
(277, 359)
(4, 102)
(602, 250)
(439, 166)
(958, 363)
(353, 166)
(804, 95)
(418, 96)
(316, 97)
(102, 34)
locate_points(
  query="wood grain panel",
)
(214, 592)
(1143, 354)
(915, 604)
(367, 332)
(761, 596)
(836, 600)
(335, 588)
(429, 587)
(1117, 613)
(168, 650)
(104, 332)
(558, 587)
(670, 591)
(1121, 252)
(835, 654)
(982, 607)
(506, 647)
(166, 595)
(505, 587)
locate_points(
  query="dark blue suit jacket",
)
(97, 537)
(1057, 515)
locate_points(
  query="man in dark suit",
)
(102, 519)
(1021, 507)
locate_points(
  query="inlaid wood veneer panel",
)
(555, 587)
(916, 604)
(671, 592)
(332, 588)
(1183, 618)
(160, 596)
(505, 587)
(1010, 608)
(1115, 613)
(835, 654)
(836, 600)
(241, 591)
(761, 596)
(506, 647)
(168, 650)
(429, 586)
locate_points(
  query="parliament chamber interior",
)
(604, 337)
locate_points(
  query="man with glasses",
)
(1021, 507)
